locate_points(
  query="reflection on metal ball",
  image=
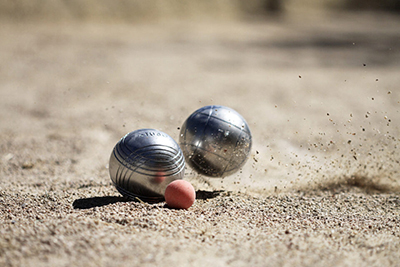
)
(144, 162)
(216, 141)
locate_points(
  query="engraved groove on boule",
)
(167, 164)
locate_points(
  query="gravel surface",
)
(322, 186)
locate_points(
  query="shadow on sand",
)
(88, 203)
(201, 194)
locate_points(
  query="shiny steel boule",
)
(216, 141)
(144, 162)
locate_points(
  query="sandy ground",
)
(322, 185)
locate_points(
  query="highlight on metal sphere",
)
(216, 141)
(144, 162)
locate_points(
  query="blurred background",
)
(153, 10)
(317, 82)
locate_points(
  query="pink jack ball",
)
(180, 194)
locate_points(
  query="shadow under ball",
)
(216, 141)
(144, 162)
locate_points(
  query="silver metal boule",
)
(144, 162)
(216, 141)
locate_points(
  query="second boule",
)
(216, 141)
